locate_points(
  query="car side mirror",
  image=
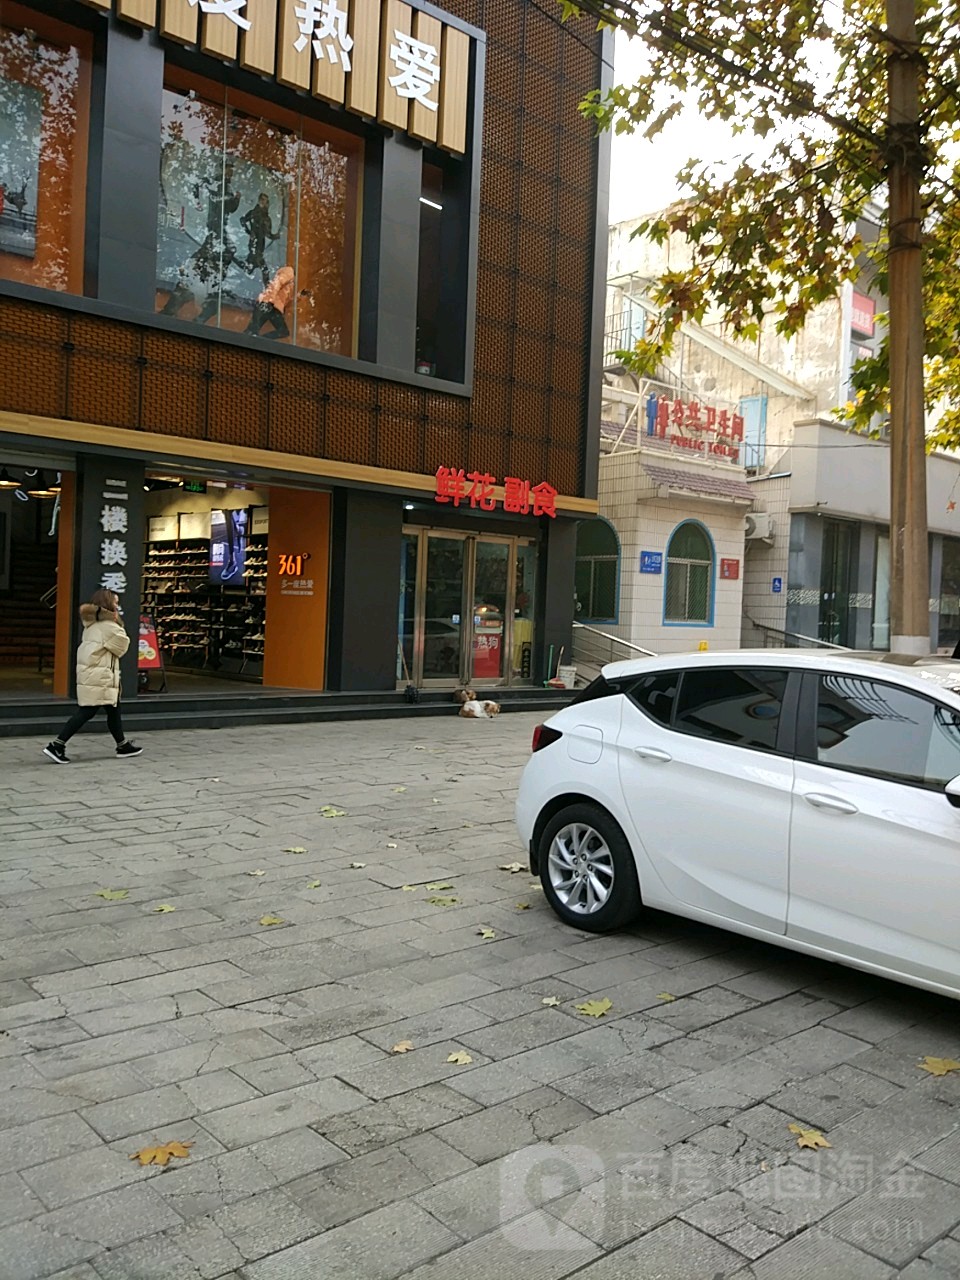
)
(952, 791)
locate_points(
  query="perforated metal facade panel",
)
(527, 415)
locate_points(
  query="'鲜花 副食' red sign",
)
(477, 489)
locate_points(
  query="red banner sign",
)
(148, 658)
(687, 423)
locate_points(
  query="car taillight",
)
(543, 735)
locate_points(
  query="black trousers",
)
(83, 714)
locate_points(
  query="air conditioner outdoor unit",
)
(759, 525)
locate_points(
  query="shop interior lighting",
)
(7, 481)
(39, 488)
(432, 203)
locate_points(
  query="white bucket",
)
(568, 675)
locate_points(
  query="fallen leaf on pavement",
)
(391, 844)
(460, 1058)
(402, 1046)
(487, 934)
(513, 867)
(357, 866)
(398, 790)
(328, 811)
(256, 873)
(419, 748)
(443, 902)
(314, 884)
(595, 1008)
(536, 885)
(468, 825)
(265, 920)
(939, 1066)
(550, 1001)
(214, 779)
(523, 906)
(408, 888)
(162, 1155)
(435, 800)
(163, 909)
(665, 995)
(111, 895)
(811, 1138)
(437, 888)
(764, 1167)
(295, 848)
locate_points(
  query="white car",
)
(798, 797)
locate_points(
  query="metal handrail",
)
(796, 635)
(593, 647)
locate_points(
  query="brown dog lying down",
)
(472, 708)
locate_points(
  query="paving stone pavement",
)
(652, 1142)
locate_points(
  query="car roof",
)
(903, 669)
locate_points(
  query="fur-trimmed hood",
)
(91, 613)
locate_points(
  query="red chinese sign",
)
(148, 657)
(863, 315)
(730, 569)
(675, 417)
(476, 489)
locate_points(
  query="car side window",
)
(655, 695)
(879, 729)
(737, 705)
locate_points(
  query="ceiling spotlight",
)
(7, 481)
(38, 488)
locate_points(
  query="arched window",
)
(688, 592)
(598, 571)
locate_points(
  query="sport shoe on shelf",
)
(129, 749)
(57, 753)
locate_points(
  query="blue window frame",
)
(688, 588)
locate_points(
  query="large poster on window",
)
(21, 119)
(228, 547)
(222, 228)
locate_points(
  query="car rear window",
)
(598, 688)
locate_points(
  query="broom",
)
(411, 692)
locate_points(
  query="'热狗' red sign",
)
(477, 489)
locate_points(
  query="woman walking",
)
(103, 644)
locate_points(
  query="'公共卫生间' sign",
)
(692, 425)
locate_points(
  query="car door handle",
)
(653, 753)
(833, 803)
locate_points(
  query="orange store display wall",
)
(295, 650)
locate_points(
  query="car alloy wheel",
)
(581, 868)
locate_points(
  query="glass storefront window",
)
(258, 217)
(523, 612)
(881, 594)
(44, 126)
(949, 633)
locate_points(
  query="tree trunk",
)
(909, 558)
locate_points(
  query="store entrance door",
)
(466, 610)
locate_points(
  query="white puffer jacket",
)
(98, 658)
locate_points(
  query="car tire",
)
(587, 830)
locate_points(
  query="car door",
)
(706, 770)
(875, 843)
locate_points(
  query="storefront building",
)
(300, 314)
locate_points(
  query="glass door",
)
(491, 594)
(835, 566)
(441, 614)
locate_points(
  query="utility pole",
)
(909, 557)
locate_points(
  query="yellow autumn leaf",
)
(162, 910)
(162, 1155)
(295, 848)
(437, 888)
(357, 866)
(314, 884)
(811, 1138)
(486, 933)
(256, 873)
(329, 811)
(460, 1059)
(111, 895)
(436, 901)
(550, 1001)
(523, 906)
(402, 1046)
(595, 1008)
(665, 995)
(408, 888)
(267, 920)
(398, 790)
(513, 867)
(939, 1066)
